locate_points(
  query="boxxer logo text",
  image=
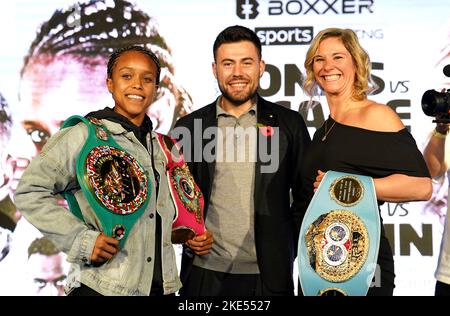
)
(247, 9)
(320, 7)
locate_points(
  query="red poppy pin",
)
(266, 130)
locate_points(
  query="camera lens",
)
(434, 103)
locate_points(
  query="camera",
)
(437, 104)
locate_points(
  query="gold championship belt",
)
(339, 237)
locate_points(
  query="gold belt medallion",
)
(116, 179)
(337, 243)
(184, 185)
(347, 191)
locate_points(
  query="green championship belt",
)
(339, 237)
(113, 182)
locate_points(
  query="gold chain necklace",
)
(327, 132)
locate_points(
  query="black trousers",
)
(204, 282)
(442, 289)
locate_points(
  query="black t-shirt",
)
(371, 153)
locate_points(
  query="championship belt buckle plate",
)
(113, 182)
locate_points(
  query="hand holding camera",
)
(437, 104)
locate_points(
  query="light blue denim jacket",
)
(130, 271)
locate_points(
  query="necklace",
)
(327, 132)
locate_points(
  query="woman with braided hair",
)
(66, 67)
(117, 241)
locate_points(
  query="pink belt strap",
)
(185, 193)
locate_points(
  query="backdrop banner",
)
(408, 42)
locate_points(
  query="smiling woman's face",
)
(333, 67)
(133, 85)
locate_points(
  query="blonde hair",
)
(360, 59)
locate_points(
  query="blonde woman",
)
(361, 136)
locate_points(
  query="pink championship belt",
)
(187, 197)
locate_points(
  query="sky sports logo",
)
(292, 35)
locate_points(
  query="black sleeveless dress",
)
(370, 153)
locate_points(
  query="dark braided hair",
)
(114, 56)
(89, 30)
(100, 28)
